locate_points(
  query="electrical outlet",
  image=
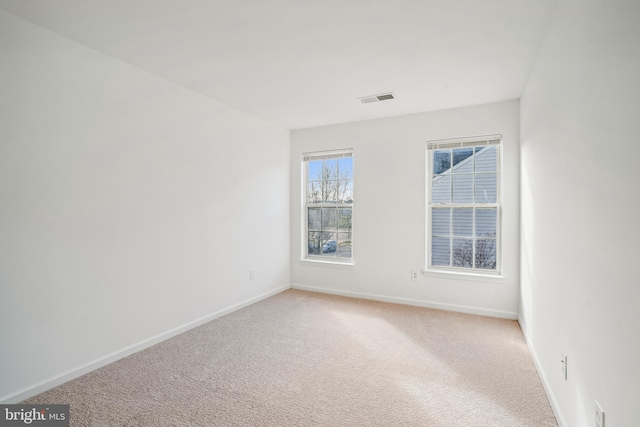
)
(252, 274)
(563, 365)
(599, 415)
(414, 274)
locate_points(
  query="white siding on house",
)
(464, 189)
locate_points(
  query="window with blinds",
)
(328, 195)
(464, 209)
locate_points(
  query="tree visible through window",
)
(328, 204)
(464, 204)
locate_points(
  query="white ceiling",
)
(303, 63)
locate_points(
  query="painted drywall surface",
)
(389, 208)
(580, 130)
(129, 205)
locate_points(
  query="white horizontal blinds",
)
(329, 201)
(464, 142)
(464, 202)
(326, 155)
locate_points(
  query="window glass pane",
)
(463, 160)
(460, 154)
(486, 254)
(315, 223)
(464, 167)
(441, 161)
(345, 167)
(330, 191)
(344, 245)
(323, 190)
(330, 169)
(440, 253)
(344, 219)
(486, 222)
(486, 159)
(314, 192)
(463, 188)
(486, 187)
(441, 222)
(441, 189)
(345, 191)
(314, 243)
(463, 253)
(329, 244)
(463, 222)
(329, 219)
(314, 170)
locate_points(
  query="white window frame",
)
(467, 142)
(306, 158)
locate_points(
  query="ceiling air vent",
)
(376, 98)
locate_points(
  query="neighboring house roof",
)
(464, 162)
(484, 188)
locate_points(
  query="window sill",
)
(328, 263)
(463, 275)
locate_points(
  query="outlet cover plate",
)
(599, 415)
(563, 365)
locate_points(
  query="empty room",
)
(338, 213)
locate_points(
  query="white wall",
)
(129, 206)
(580, 137)
(389, 210)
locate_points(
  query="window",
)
(463, 197)
(328, 199)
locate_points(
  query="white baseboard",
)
(414, 302)
(543, 378)
(73, 373)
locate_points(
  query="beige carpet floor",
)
(308, 359)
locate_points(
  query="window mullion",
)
(451, 236)
(473, 239)
(451, 175)
(473, 210)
